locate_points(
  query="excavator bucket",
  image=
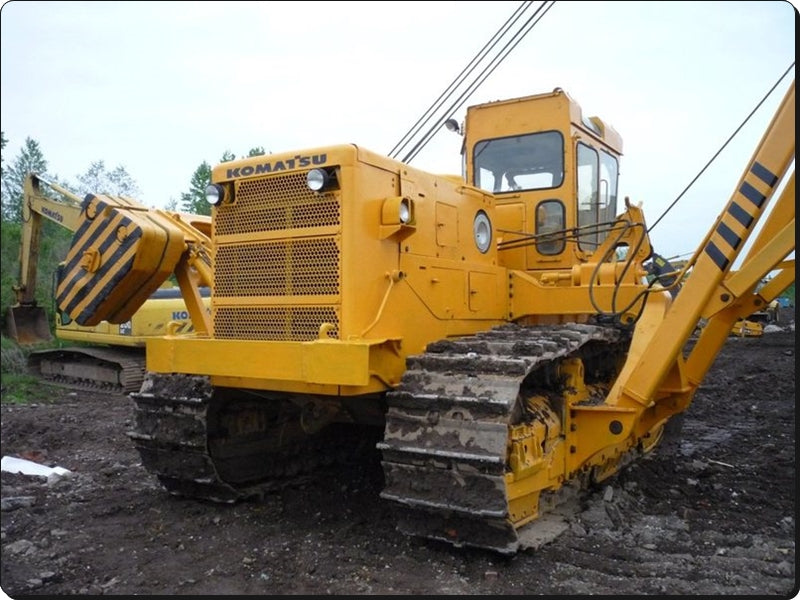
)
(28, 324)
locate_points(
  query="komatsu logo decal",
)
(58, 217)
(296, 162)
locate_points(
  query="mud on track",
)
(717, 518)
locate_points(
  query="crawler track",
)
(445, 446)
(447, 430)
(222, 446)
(102, 369)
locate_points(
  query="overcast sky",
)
(160, 87)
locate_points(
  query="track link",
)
(445, 447)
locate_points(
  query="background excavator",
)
(494, 330)
(107, 356)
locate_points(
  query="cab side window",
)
(598, 175)
(550, 227)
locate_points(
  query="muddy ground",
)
(717, 518)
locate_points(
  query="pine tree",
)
(29, 160)
(99, 180)
(194, 201)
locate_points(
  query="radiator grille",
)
(284, 268)
(271, 204)
(277, 282)
(280, 323)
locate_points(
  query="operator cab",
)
(554, 175)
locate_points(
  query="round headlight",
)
(316, 179)
(404, 211)
(215, 194)
(482, 231)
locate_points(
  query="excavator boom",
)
(26, 321)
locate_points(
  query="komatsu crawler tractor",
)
(496, 328)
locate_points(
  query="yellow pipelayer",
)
(496, 326)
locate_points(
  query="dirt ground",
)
(716, 518)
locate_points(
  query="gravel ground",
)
(715, 517)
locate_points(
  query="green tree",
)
(3, 142)
(29, 160)
(194, 201)
(9, 273)
(99, 180)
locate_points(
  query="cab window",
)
(597, 177)
(550, 227)
(609, 179)
(532, 161)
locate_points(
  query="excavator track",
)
(91, 368)
(225, 446)
(445, 447)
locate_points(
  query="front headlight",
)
(397, 217)
(317, 179)
(482, 231)
(215, 194)
(404, 211)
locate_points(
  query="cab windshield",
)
(533, 161)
